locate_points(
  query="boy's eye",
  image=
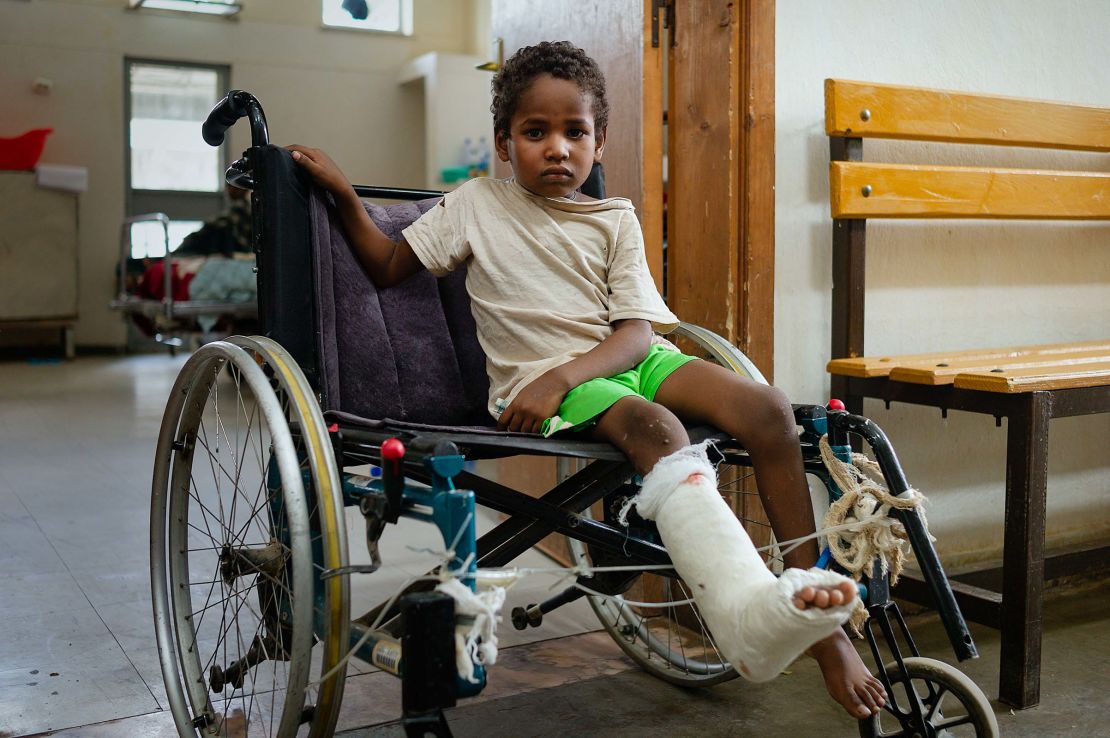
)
(576, 133)
(533, 133)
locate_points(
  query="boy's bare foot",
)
(847, 678)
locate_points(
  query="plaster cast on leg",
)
(749, 611)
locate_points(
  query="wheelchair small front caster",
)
(948, 704)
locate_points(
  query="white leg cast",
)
(749, 611)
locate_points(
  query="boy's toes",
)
(867, 708)
(875, 688)
(870, 694)
(824, 597)
(871, 702)
(856, 703)
(803, 598)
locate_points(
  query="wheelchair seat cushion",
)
(485, 442)
(409, 352)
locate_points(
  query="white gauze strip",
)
(475, 635)
(749, 611)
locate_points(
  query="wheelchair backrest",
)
(409, 352)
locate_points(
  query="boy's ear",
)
(599, 144)
(501, 143)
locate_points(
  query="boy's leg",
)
(761, 623)
(761, 418)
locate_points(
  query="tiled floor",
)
(77, 651)
(76, 449)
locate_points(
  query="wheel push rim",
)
(331, 603)
(231, 566)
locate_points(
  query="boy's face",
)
(552, 143)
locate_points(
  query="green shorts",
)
(590, 399)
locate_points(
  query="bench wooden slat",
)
(1034, 379)
(921, 191)
(934, 374)
(898, 111)
(881, 365)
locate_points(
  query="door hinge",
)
(668, 20)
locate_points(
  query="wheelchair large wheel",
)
(951, 704)
(671, 641)
(233, 522)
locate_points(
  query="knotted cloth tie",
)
(867, 501)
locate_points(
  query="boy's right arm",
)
(387, 262)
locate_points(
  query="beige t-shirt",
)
(546, 277)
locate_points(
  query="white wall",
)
(332, 88)
(954, 284)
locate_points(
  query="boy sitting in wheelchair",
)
(565, 309)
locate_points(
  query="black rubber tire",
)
(935, 678)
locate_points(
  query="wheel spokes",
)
(234, 539)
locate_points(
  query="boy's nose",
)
(557, 150)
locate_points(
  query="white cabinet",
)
(38, 257)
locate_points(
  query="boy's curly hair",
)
(560, 59)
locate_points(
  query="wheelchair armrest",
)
(721, 350)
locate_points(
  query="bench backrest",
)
(857, 110)
(860, 190)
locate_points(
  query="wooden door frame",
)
(756, 322)
(722, 170)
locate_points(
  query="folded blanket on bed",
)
(225, 280)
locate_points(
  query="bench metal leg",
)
(1019, 683)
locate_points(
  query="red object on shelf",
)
(393, 449)
(23, 152)
(835, 404)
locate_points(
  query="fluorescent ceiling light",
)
(210, 7)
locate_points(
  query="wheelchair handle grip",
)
(233, 106)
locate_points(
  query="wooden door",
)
(721, 186)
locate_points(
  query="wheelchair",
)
(259, 454)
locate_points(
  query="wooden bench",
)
(1028, 385)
